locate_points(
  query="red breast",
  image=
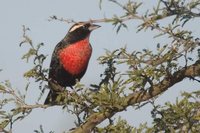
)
(75, 57)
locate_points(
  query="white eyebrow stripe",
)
(76, 27)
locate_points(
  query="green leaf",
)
(17, 111)
(2, 89)
(29, 54)
(4, 124)
(100, 4)
(31, 73)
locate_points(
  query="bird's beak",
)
(93, 27)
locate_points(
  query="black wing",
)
(58, 75)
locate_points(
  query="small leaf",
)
(16, 111)
(198, 51)
(2, 89)
(118, 28)
(191, 59)
(30, 53)
(8, 84)
(2, 112)
(100, 4)
(4, 124)
(31, 73)
(158, 46)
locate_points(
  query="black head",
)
(80, 31)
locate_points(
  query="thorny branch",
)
(140, 96)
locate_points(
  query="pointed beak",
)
(93, 27)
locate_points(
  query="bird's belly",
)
(75, 59)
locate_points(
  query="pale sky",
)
(35, 14)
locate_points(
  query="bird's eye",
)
(85, 27)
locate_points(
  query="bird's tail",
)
(57, 95)
(51, 97)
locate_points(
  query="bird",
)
(70, 59)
